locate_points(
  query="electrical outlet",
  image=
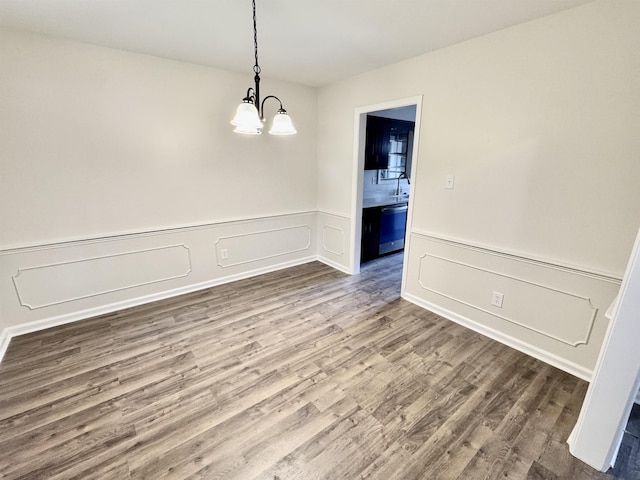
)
(449, 181)
(496, 299)
(224, 253)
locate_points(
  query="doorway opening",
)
(385, 166)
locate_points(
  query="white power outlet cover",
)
(449, 181)
(224, 253)
(497, 299)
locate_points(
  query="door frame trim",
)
(360, 116)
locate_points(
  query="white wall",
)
(95, 141)
(539, 125)
(121, 181)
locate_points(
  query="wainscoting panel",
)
(250, 247)
(333, 240)
(549, 310)
(46, 285)
(441, 276)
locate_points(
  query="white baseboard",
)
(333, 264)
(5, 338)
(8, 333)
(519, 345)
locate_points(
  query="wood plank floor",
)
(304, 374)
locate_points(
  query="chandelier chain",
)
(256, 67)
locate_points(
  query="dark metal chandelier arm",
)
(251, 96)
(256, 91)
(280, 110)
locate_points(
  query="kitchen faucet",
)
(402, 175)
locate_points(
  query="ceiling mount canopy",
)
(249, 117)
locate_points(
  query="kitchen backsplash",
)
(371, 187)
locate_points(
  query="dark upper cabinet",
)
(387, 143)
(376, 155)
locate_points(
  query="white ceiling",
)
(313, 42)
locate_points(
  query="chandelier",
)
(249, 117)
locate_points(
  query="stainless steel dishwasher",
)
(393, 223)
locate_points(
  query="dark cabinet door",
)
(371, 144)
(370, 233)
(384, 138)
(378, 136)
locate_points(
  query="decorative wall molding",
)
(333, 238)
(337, 239)
(524, 347)
(521, 257)
(272, 243)
(580, 307)
(336, 215)
(52, 284)
(115, 237)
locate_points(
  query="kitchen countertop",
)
(382, 201)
